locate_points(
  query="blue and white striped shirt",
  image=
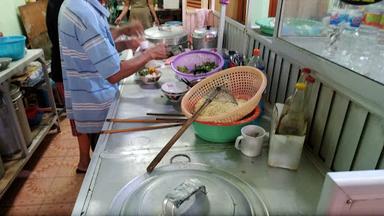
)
(88, 58)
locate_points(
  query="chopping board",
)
(33, 18)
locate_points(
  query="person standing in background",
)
(141, 10)
(51, 18)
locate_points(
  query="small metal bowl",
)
(4, 62)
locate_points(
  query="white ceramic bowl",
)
(174, 91)
(150, 78)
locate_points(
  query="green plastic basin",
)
(223, 132)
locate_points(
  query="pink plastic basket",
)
(197, 57)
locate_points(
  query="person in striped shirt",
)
(92, 68)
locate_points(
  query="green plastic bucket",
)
(223, 132)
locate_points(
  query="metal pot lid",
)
(187, 189)
(204, 32)
(165, 32)
(174, 87)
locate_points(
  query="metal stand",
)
(41, 131)
(50, 92)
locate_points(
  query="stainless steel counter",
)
(120, 157)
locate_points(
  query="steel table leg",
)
(50, 92)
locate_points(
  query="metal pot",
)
(186, 188)
(169, 35)
(8, 138)
(204, 38)
(17, 99)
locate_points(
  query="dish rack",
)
(242, 82)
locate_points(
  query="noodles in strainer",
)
(220, 105)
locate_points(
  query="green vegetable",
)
(182, 69)
(199, 69)
(143, 72)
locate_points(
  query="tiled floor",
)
(48, 185)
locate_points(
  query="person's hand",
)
(157, 22)
(158, 52)
(118, 20)
(134, 28)
(133, 43)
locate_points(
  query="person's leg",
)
(60, 90)
(93, 140)
(84, 147)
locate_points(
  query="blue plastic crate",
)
(12, 47)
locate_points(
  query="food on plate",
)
(199, 69)
(220, 105)
(148, 71)
(149, 75)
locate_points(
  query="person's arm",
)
(127, 44)
(103, 54)
(135, 28)
(123, 13)
(129, 67)
(153, 12)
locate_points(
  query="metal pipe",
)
(222, 25)
(50, 91)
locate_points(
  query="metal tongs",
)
(225, 93)
(213, 94)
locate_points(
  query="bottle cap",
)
(310, 79)
(300, 86)
(256, 52)
(306, 70)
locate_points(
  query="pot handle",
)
(179, 155)
(182, 193)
